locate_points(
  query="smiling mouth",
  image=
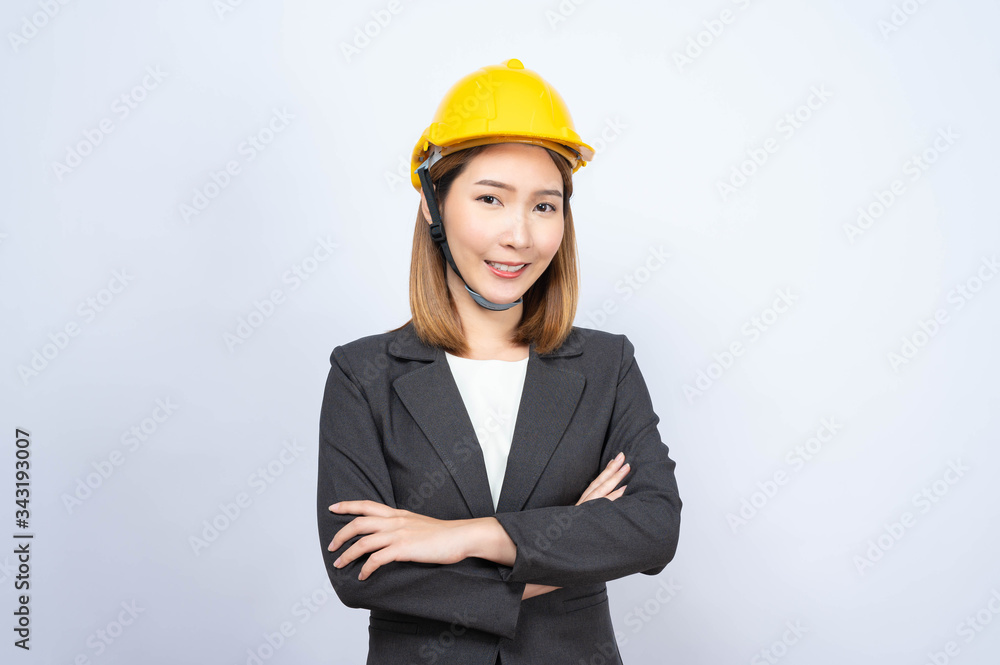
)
(507, 267)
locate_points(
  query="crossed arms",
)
(491, 562)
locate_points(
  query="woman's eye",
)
(490, 199)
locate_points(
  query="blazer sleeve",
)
(601, 539)
(472, 592)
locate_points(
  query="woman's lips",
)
(505, 274)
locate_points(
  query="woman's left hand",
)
(397, 535)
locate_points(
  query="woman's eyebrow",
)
(501, 185)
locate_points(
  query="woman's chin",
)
(502, 297)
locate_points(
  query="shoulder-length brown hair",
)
(549, 305)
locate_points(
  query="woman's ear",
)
(424, 209)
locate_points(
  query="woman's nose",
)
(518, 232)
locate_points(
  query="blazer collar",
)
(548, 400)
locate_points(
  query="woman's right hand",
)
(602, 486)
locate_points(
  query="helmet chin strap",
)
(437, 234)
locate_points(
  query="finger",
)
(604, 476)
(375, 561)
(613, 480)
(370, 543)
(592, 493)
(348, 531)
(612, 465)
(617, 493)
(612, 470)
(358, 525)
(606, 480)
(362, 507)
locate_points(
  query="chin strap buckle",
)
(437, 233)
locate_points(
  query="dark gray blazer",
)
(394, 429)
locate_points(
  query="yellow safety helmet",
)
(499, 104)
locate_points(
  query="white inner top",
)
(491, 390)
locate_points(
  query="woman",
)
(470, 460)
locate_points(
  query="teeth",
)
(500, 266)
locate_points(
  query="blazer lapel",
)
(548, 401)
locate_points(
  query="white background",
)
(830, 550)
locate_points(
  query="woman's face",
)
(505, 207)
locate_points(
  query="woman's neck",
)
(489, 342)
(488, 332)
(510, 354)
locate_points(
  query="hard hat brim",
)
(576, 159)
